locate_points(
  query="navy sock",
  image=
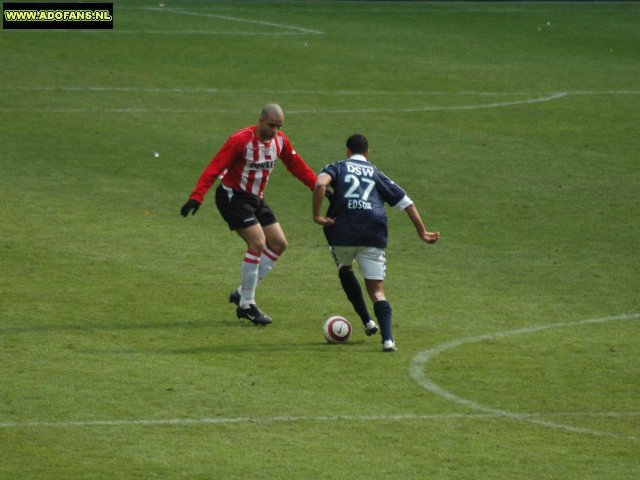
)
(382, 310)
(352, 289)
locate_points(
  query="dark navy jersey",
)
(360, 191)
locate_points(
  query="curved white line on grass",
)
(281, 419)
(420, 361)
(511, 103)
(129, 110)
(293, 112)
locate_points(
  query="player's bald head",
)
(271, 110)
(270, 122)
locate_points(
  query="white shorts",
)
(372, 261)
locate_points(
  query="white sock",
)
(250, 267)
(266, 265)
(267, 260)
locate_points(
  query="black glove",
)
(190, 205)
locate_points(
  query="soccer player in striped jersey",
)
(244, 165)
(356, 229)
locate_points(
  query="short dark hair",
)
(357, 143)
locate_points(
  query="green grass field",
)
(514, 128)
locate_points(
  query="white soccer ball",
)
(337, 329)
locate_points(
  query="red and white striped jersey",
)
(245, 163)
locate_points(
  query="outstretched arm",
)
(414, 216)
(319, 192)
(218, 164)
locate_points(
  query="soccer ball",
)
(337, 329)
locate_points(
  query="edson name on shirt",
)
(359, 205)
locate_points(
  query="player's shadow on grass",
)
(248, 347)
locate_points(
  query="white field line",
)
(418, 372)
(219, 91)
(287, 419)
(197, 90)
(190, 32)
(285, 29)
(133, 110)
(166, 32)
(369, 8)
(235, 19)
(548, 98)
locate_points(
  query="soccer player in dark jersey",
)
(243, 165)
(356, 229)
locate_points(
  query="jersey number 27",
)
(354, 189)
